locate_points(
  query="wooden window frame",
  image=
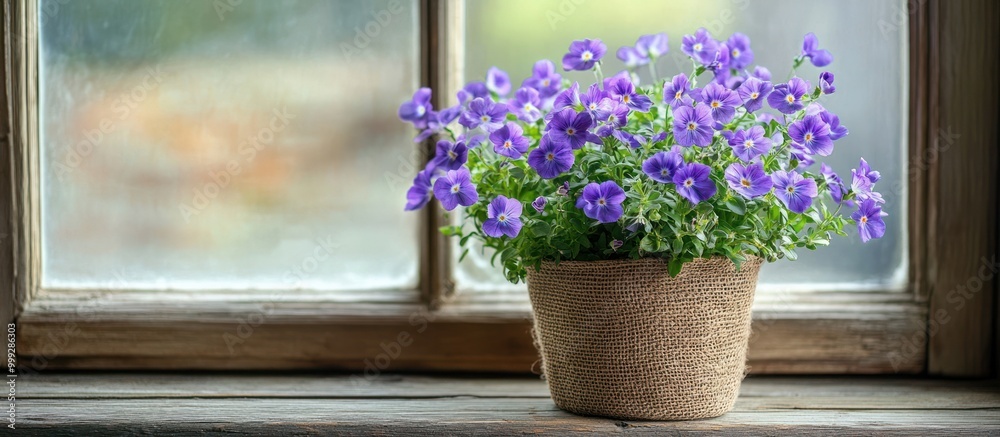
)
(952, 195)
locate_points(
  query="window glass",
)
(869, 43)
(227, 145)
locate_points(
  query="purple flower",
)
(749, 144)
(647, 48)
(802, 155)
(563, 189)
(863, 182)
(420, 193)
(676, 93)
(449, 156)
(693, 126)
(583, 54)
(504, 218)
(485, 113)
(592, 98)
(750, 180)
(567, 126)
(810, 49)
(653, 46)
(624, 90)
(614, 115)
(473, 90)
(509, 141)
(813, 133)
(761, 73)
(616, 244)
(497, 81)
(721, 101)
(787, 97)
(631, 140)
(833, 182)
(418, 109)
(693, 182)
(455, 188)
(437, 121)
(865, 170)
(740, 54)
(700, 46)
(795, 191)
(826, 82)
(662, 166)
(539, 204)
(836, 130)
(525, 105)
(631, 57)
(544, 79)
(569, 98)
(752, 92)
(869, 220)
(551, 159)
(602, 202)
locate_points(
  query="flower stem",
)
(598, 73)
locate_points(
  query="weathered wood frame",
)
(812, 333)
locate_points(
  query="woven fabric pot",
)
(623, 339)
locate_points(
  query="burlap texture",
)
(623, 339)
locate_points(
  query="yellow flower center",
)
(586, 56)
(688, 182)
(692, 126)
(745, 183)
(864, 219)
(570, 131)
(455, 188)
(602, 202)
(502, 218)
(485, 118)
(716, 104)
(452, 155)
(790, 98)
(736, 53)
(809, 137)
(697, 47)
(507, 144)
(754, 95)
(790, 190)
(748, 143)
(550, 156)
(626, 99)
(678, 95)
(545, 82)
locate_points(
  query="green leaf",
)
(517, 173)
(737, 205)
(674, 266)
(541, 229)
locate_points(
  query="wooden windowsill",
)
(217, 404)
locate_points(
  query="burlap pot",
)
(623, 339)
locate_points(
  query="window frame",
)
(822, 332)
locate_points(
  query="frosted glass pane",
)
(867, 38)
(189, 144)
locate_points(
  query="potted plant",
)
(640, 215)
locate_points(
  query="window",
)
(186, 146)
(871, 61)
(219, 184)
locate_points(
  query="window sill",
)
(106, 404)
